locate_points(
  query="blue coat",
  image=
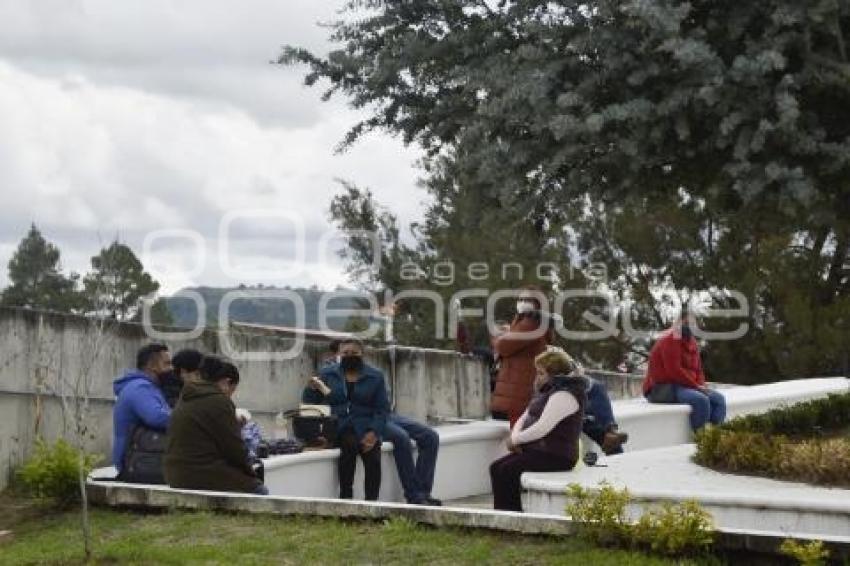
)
(139, 401)
(368, 408)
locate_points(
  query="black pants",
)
(505, 475)
(349, 448)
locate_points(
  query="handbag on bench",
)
(313, 424)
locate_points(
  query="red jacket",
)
(674, 360)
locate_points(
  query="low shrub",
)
(672, 529)
(806, 419)
(787, 443)
(600, 515)
(811, 553)
(52, 472)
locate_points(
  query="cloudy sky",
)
(139, 118)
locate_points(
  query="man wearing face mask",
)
(527, 336)
(140, 401)
(357, 396)
(675, 375)
(416, 476)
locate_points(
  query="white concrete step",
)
(652, 425)
(736, 502)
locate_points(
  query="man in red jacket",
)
(675, 376)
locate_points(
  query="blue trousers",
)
(417, 478)
(706, 407)
(599, 415)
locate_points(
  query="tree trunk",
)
(84, 506)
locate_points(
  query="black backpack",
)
(143, 457)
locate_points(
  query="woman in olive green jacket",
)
(205, 448)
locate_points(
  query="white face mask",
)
(524, 306)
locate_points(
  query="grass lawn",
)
(43, 536)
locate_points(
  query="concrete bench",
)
(744, 503)
(466, 451)
(657, 468)
(652, 425)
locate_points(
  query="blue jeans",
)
(416, 479)
(599, 415)
(706, 407)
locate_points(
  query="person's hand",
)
(509, 442)
(318, 385)
(369, 441)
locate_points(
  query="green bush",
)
(673, 529)
(599, 515)
(786, 443)
(811, 553)
(53, 471)
(806, 419)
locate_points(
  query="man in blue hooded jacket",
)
(140, 400)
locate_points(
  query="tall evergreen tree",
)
(691, 144)
(117, 282)
(35, 277)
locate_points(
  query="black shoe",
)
(432, 501)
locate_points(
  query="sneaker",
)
(613, 442)
(432, 501)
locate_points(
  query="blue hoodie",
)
(139, 401)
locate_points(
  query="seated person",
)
(187, 365)
(599, 423)
(546, 437)
(417, 478)
(357, 396)
(140, 403)
(675, 375)
(205, 448)
(250, 431)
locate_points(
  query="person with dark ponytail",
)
(205, 448)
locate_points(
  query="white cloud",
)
(104, 133)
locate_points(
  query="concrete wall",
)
(38, 350)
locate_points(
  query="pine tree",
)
(35, 276)
(117, 282)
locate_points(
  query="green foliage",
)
(53, 471)
(812, 553)
(688, 145)
(35, 276)
(600, 515)
(672, 529)
(178, 538)
(117, 282)
(818, 416)
(675, 529)
(793, 443)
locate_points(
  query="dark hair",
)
(351, 340)
(214, 369)
(333, 346)
(146, 353)
(187, 359)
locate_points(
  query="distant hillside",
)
(275, 311)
